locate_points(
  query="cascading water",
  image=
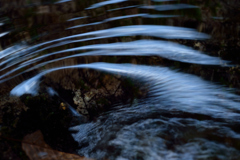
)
(182, 116)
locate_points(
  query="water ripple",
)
(181, 117)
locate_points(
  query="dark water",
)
(183, 117)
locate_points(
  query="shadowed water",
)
(182, 117)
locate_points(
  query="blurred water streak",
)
(182, 117)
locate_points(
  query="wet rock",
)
(93, 92)
(36, 148)
(89, 92)
(10, 107)
(78, 100)
(43, 9)
(108, 89)
(43, 112)
(52, 116)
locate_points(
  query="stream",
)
(183, 116)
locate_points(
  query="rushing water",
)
(182, 117)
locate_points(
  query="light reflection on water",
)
(182, 117)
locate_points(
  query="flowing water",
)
(182, 117)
